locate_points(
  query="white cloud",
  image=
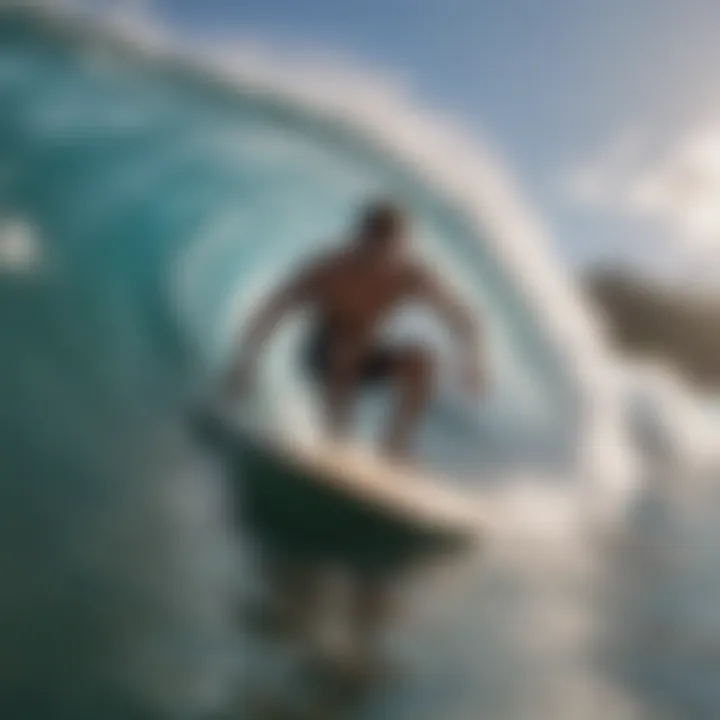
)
(676, 185)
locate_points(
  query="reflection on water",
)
(571, 622)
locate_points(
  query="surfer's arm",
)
(273, 310)
(290, 296)
(458, 316)
(463, 323)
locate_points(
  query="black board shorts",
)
(374, 366)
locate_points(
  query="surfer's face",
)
(383, 249)
(383, 232)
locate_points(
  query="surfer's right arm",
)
(293, 294)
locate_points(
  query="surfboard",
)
(336, 502)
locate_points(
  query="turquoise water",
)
(178, 196)
(143, 205)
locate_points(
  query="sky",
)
(608, 111)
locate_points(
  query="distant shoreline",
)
(647, 319)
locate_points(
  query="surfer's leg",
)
(411, 370)
(337, 380)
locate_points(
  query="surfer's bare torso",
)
(351, 297)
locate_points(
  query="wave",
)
(149, 191)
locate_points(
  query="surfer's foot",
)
(412, 372)
(399, 457)
(396, 452)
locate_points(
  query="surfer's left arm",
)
(463, 322)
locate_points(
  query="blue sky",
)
(607, 110)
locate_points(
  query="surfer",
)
(351, 291)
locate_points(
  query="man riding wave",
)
(351, 292)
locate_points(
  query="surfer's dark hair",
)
(382, 220)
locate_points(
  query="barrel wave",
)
(145, 204)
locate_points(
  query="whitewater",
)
(150, 191)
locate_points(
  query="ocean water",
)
(144, 205)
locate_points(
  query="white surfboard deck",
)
(396, 487)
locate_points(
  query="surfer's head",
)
(382, 228)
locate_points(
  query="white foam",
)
(20, 248)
